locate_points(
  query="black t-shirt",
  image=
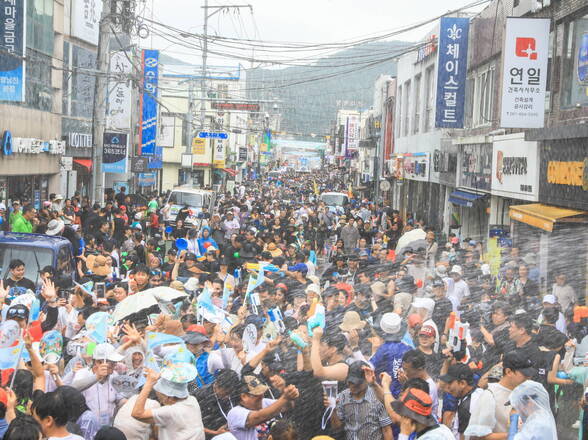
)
(25, 283)
(540, 360)
(214, 409)
(443, 308)
(433, 363)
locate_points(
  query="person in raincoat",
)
(531, 402)
(206, 240)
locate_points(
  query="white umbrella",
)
(166, 294)
(409, 237)
(136, 303)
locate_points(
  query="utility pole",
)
(216, 9)
(99, 111)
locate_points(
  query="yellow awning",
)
(542, 216)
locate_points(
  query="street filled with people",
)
(276, 313)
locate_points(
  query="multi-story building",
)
(526, 186)
(207, 161)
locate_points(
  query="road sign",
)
(212, 135)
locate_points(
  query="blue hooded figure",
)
(205, 238)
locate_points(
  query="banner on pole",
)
(119, 93)
(149, 102)
(12, 50)
(524, 75)
(114, 155)
(451, 72)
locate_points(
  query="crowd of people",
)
(273, 315)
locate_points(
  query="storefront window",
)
(40, 25)
(574, 82)
(475, 168)
(39, 93)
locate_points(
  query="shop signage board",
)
(37, 146)
(147, 179)
(239, 106)
(515, 167)
(12, 50)
(583, 60)
(198, 146)
(415, 166)
(149, 106)
(139, 164)
(524, 75)
(119, 93)
(85, 20)
(212, 135)
(167, 133)
(475, 166)
(219, 153)
(114, 156)
(79, 140)
(451, 72)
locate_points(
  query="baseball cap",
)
(195, 338)
(191, 256)
(252, 385)
(416, 405)
(516, 361)
(458, 372)
(438, 282)
(428, 330)
(550, 299)
(355, 374)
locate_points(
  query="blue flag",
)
(97, 327)
(227, 292)
(255, 282)
(155, 339)
(205, 300)
(9, 356)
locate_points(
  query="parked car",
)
(37, 251)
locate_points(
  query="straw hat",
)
(97, 264)
(351, 321)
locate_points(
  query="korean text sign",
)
(12, 50)
(451, 72)
(149, 102)
(114, 156)
(524, 75)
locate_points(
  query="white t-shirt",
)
(237, 419)
(67, 437)
(434, 393)
(460, 291)
(101, 398)
(132, 428)
(180, 421)
(224, 358)
(502, 413)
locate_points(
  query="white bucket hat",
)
(171, 389)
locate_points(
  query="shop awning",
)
(230, 171)
(86, 163)
(464, 198)
(545, 216)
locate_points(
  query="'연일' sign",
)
(524, 75)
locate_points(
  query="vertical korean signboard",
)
(114, 156)
(149, 103)
(451, 72)
(524, 75)
(119, 93)
(12, 49)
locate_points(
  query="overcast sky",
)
(316, 21)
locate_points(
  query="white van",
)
(334, 200)
(194, 198)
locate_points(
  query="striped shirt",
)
(362, 419)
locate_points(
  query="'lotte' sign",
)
(451, 72)
(524, 75)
